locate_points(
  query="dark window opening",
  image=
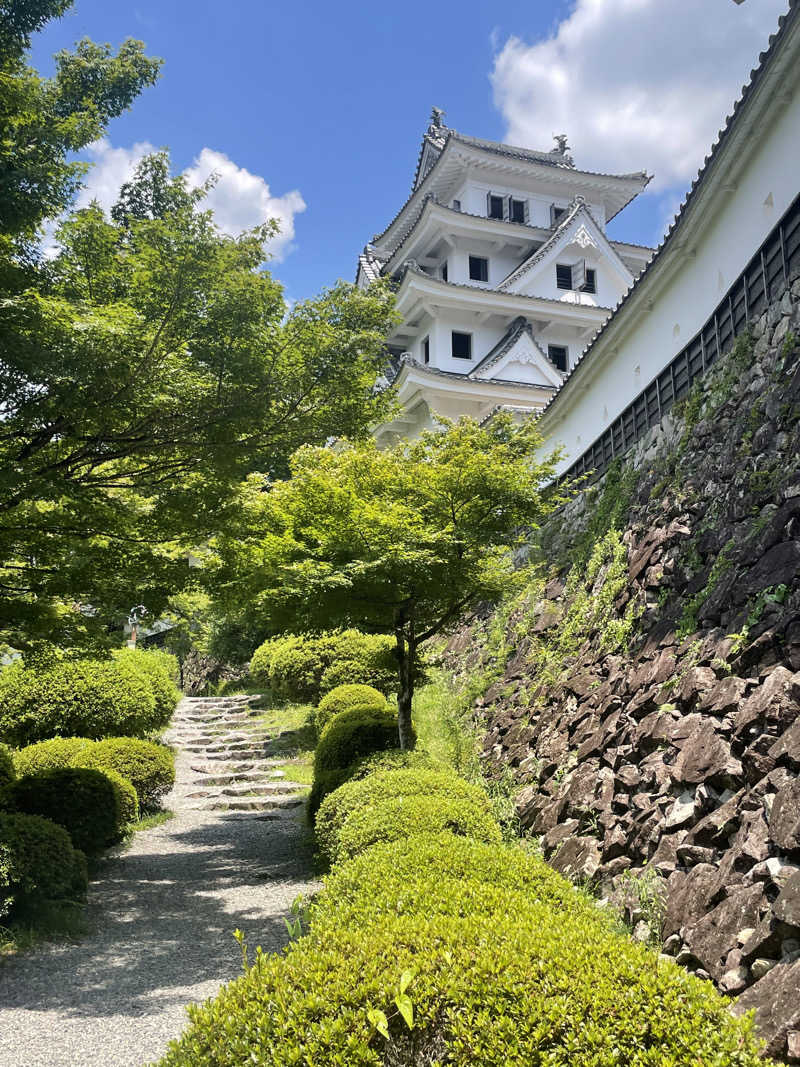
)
(456, 205)
(426, 350)
(478, 269)
(563, 276)
(462, 345)
(495, 207)
(556, 213)
(590, 285)
(444, 271)
(557, 355)
(516, 210)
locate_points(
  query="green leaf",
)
(406, 1009)
(378, 1021)
(406, 978)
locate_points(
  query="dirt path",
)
(235, 855)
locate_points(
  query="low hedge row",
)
(348, 738)
(439, 949)
(149, 766)
(130, 694)
(38, 863)
(304, 667)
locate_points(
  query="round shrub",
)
(344, 698)
(499, 975)
(153, 669)
(82, 800)
(406, 816)
(125, 799)
(352, 735)
(302, 667)
(396, 759)
(364, 793)
(48, 755)
(7, 770)
(37, 862)
(72, 698)
(149, 766)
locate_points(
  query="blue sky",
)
(314, 112)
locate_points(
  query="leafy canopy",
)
(399, 541)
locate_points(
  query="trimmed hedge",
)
(406, 816)
(504, 964)
(345, 698)
(7, 770)
(156, 669)
(37, 862)
(126, 799)
(73, 698)
(303, 667)
(348, 738)
(149, 766)
(85, 802)
(50, 755)
(366, 792)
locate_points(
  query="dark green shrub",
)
(7, 771)
(37, 862)
(49, 755)
(345, 698)
(505, 969)
(149, 766)
(348, 738)
(126, 799)
(365, 792)
(154, 668)
(72, 698)
(391, 759)
(293, 666)
(407, 816)
(82, 800)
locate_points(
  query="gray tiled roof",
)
(756, 75)
(519, 326)
(454, 375)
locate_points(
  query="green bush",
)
(49, 755)
(149, 766)
(82, 800)
(72, 698)
(37, 862)
(7, 771)
(392, 759)
(348, 738)
(126, 799)
(406, 816)
(344, 698)
(303, 667)
(502, 964)
(364, 793)
(154, 667)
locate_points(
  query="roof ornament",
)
(562, 149)
(437, 118)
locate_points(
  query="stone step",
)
(232, 777)
(241, 804)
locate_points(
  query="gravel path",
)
(162, 913)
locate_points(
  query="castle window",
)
(590, 285)
(426, 350)
(461, 345)
(556, 214)
(563, 276)
(517, 210)
(557, 354)
(478, 269)
(494, 206)
(444, 271)
(456, 205)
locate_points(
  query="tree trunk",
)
(406, 656)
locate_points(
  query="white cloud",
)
(241, 200)
(636, 84)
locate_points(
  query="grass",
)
(292, 739)
(439, 715)
(52, 922)
(147, 822)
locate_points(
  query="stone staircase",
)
(223, 763)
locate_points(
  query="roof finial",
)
(562, 148)
(437, 118)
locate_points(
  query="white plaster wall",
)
(500, 265)
(743, 221)
(541, 281)
(473, 192)
(484, 338)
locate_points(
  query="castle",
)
(503, 272)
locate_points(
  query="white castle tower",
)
(504, 272)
